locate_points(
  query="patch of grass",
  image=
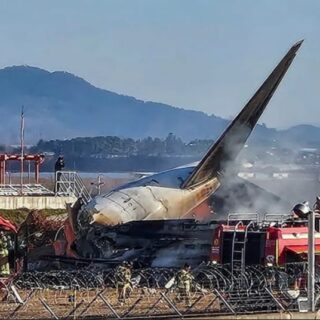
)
(52, 212)
(19, 215)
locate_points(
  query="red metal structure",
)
(263, 244)
(7, 225)
(37, 158)
(289, 244)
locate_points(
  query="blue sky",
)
(202, 55)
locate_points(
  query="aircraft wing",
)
(230, 143)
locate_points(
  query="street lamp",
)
(302, 210)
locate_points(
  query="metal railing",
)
(69, 183)
(234, 218)
(26, 190)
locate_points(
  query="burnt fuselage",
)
(160, 243)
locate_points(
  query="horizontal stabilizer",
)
(230, 143)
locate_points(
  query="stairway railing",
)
(70, 183)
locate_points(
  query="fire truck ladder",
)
(239, 241)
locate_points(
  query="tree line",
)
(112, 146)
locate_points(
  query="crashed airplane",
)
(143, 218)
(176, 193)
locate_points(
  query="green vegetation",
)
(19, 215)
(110, 146)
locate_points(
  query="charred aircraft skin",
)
(174, 194)
(161, 243)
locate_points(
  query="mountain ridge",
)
(61, 105)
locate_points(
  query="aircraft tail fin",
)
(230, 143)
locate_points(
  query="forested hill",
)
(60, 105)
(110, 147)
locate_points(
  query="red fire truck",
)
(276, 240)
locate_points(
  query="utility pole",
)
(302, 210)
(99, 184)
(22, 148)
(311, 261)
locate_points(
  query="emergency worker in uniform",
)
(123, 276)
(317, 205)
(184, 281)
(4, 253)
(270, 275)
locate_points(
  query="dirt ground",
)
(99, 303)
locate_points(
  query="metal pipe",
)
(311, 261)
(29, 171)
(22, 148)
(3, 172)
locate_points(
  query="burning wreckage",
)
(164, 219)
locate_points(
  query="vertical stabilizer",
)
(230, 143)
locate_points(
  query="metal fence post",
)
(311, 261)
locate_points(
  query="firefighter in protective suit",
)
(184, 281)
(4, 253)
(123, 276)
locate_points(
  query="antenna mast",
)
(22, 148)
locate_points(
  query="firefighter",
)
(123, 280)
(270, 275)
(184, 280)
(4, 263)
(59, 165)
(317, 205)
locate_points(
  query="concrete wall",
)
(34, 202)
